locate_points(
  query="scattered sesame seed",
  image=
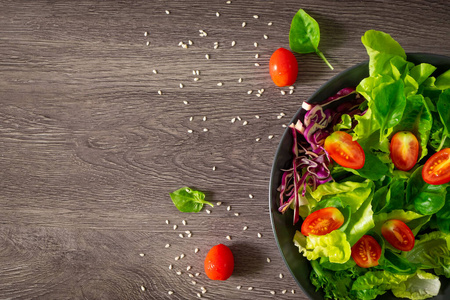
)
(170, 292)
(191, 119)
(179, 273)
(228, 237)
(194, 282)
(268, 260)
(216, 46)
(167, 222)
(197, 274)
(190, 131)
(217, 14)
(233, 120)
(236, 214)
(269, 24)
(205, 129)
(233, 43)
(250, 288)
(181, 256)
(239, 287)
(207, 56)
(256, 55)
(283, 292)
(245, 123)
(180, 43)
(184, 46)
(270, 137)
(141, 254)
(181, 235)
(249, 92)
(250, 196)
(175, 227)
(281, 276)
(259, 235)
(255, 16)
(188, 268)
(240, 80)
(196, 250)
(257, 64)
(272, 292)
(190, 43)
(187, 232)
(293, 291)
(197, 72)
(257, 139)
(208, 211)
(155, 72)
(189, 235)
(185, 102)
(146, 33)
(265, 36)
(244, 24)
(283, 93)
(257, 117)
(245, 228)
(203, 288)
(258, 95)
(147, 43)
(170, 267)
(284, 125)
(196, 79)
(199, 295)
(219, 84)
(219, 203)
(239, 118)
(279, 117)
(177, 258)
(159, 92)
(214, 168)
(183, 222)
(204, 118)
(167, 12)
(181, 86)
(193, 72)
(229, 208)
(255, 44)
(191, 275)
(282, 114)
(142, 288)
(167, 245)
(291, 92)
(291, 87)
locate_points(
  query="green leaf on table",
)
(188, 200)
(304, 35)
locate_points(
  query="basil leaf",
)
(304, 35)
(188, 200)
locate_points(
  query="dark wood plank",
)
(90, 151)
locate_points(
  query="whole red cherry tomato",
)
(404, 150)
(219, 263)
(283, 67)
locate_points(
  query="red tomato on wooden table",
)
(219, 263)
(398, 234)
(437, 168)
(283, 67)
(404, 150)
(344, 150)
(366, 252)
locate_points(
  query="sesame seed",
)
(208, 211)
(228, 2)
(167, 245)
(284, 125)
(283, 93)
(202, 288)
(293, 291)
(181, 256)
(199, 295)
(269, 24)
(239, 118)
(245, 228)
(219, 203)
(261, 91)
(216, 46)
(233, 120)
(142, 288)
(240, 80)
(167, 12)
(250, 196)
(245, 123)
(190, 42)
(257, 139)
(141, 254)
(270, 137)
(233, 43)
(193, 72)
(155, 72)
(191, 275)
(189, 235)
(190, 131)
(239, 287)
(197, 274)
(219, 84)
(180, 43)
(177, 258)
(291, 87)
(259, 235)
(146, 33)
(170, 292)
(170, 267)
(291, 92)
(283, 292)
(258, 95)
(204, 118)
(217, 14)
(257, 64)
(179, 273)
(236, 214)
(272, 292)
(175, 227)
(159, 92)
(197, 72)
(268, 260)
(196, 250)
(255, 44)
(265, 36)
(187, 232)
(147, 43)
(167, 222)
(214, 168)
(207, 56)
(181, 235)
(244, 24)
(188, 268)
(279, 117)
(184, 46)
(281, 276)
(183, 222)
(205, 129)
(185, 102)
(257, 117)
(228, 237)
(194, 282)
(250, 288)
(196, 79)
(255, 16)
(191, 119)
(256, 55)
(229, 208)
(181, 86)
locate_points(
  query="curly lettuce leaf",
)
(333, 245)
(443, 81)
(374, 283)
(422, 285)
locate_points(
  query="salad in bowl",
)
(367, 182)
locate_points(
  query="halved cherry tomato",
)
(398, 234)
(283, 67)
(219, 263)
(437, 168)
(322, 221)
(366, 252)
(404, 150)
(344, 150)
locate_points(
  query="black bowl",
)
(282, 226)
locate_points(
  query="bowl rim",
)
(287, 131)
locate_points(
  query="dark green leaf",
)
(443, 108)
(188, 200)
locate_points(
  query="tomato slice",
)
(366, 252)
(344, 150)
(437, 168)
(398, 234)
(404, 150)
(283, 67)
(322, 221)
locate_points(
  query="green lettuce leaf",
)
(374, 283)
(333, 245)
(443, 81)
(421, 72)
(443, 216)
(422, 285)
(443, 109)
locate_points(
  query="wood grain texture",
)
(89, 151)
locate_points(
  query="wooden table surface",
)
(89, 150)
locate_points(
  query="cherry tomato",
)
(437, 168)
(219, 263)
(398, 234)
(404, 150)
(344, 150)
(322, 221)
(366, 252)
(283, 67)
